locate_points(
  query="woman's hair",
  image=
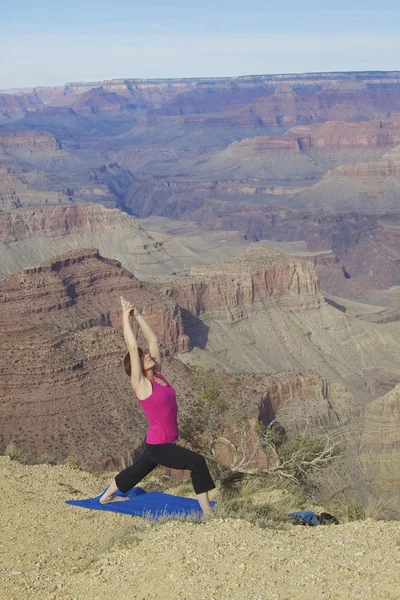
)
(127, 361)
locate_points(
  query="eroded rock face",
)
(331, 135)
(98, 100)
(364, 246)
(62, 346)
(61, 221)
(34, 141)
(90, 286)
(276, 99)
(368, 469)
(255, 277)
(19, 104)
(340, 135)
(379, 449)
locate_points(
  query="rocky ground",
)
(51, 550)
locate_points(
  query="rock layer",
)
(234, 286)
(62, 346)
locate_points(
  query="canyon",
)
(272, 156)
(255, 220)
(259, 319)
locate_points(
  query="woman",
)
(158, 401)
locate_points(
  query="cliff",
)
(33, 141)
(278, 99)
(331, 135)
(253, 279)
(379, 446)
(62, 221)
(99, 100)
(29, 236)
(17, 105)
(82, 281)
(62, 379)
(343, 135)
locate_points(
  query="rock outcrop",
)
(33, 141)
(337, 135)
(16, 191)
(379, 447)
(82, 281)
(62, 221)
(254, 278)
(62, 346)
(30, 236)
(99, 101)
(17, 105)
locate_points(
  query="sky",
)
(48, 43)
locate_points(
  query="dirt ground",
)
(51, 550)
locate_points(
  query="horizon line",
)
(28, 89)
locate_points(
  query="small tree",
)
(296, 457)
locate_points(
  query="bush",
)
(202, 424)
(296, 457)
(13, 452)
(350, 511)
(46, 459)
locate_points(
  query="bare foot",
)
(114, 499)
(206, 515)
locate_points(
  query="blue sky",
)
(50, 43)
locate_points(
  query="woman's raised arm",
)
(130, 339)
(151, 340)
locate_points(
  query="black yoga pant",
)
(171, 456)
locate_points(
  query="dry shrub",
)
(379, 508)
(46, 459)
(14, 452)
(261, 514)
(373, 508)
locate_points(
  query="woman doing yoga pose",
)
(158, 400)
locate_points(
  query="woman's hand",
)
(128, 308)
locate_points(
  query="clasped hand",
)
(128, 308)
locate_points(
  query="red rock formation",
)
(363, 245)
(60, 221)
(335, 135)
(235, 286)
(35, 141)
(62, 379)
(98, 100)
(15, 106)
(89, 286)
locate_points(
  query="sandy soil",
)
(52, 550)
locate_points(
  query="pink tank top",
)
(161, 411)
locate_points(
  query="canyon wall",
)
(62, 380)
(256, 276)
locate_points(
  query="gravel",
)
(55, 551)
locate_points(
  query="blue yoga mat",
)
(142, 504)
